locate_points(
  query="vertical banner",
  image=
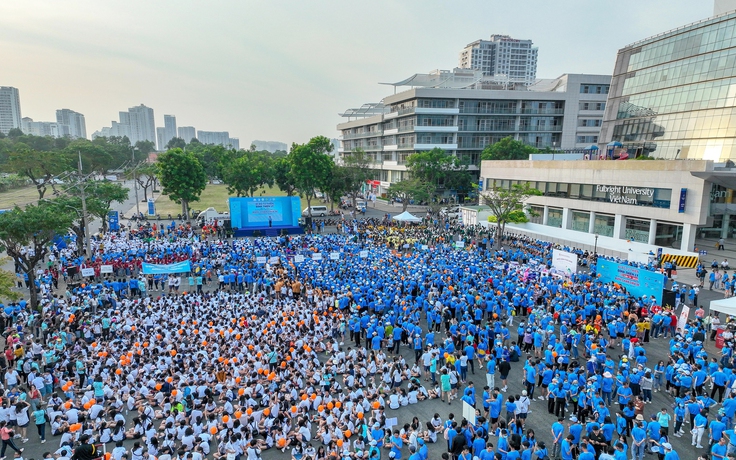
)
(151, 207)
(113, 221)
(683, 199)
(682, 320)
(564, 262)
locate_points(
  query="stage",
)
(275, 230)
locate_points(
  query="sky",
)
(282, 70)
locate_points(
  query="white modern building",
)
(10, 116)
(75, 122)
(665, 203)
(44, 128)
(445, 109)
(218, 138)
(187, 133)
(502, 57)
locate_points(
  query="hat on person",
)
(607, 375)
(573, 419)
(666, 446)
(523, 393)
(639, 417)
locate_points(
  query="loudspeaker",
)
(72, 271)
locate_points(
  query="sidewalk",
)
(396, 208)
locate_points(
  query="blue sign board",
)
(683, 199)
(637, 281)
(480, 184)
(151, 207)
(179, 267)
(113, 220)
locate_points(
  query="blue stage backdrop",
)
(254, 212)
(637, 281)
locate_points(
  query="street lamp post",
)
(595, 248)
(85, 218)
(135, 182)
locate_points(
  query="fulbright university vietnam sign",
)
(624, 194)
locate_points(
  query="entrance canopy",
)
(727, 306)
(406, 216)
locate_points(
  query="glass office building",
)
(674, 95)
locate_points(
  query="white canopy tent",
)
(406, 216)
(727, 306)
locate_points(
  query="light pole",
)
(135, 181)
(595, 248)
(85, 219)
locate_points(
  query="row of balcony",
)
(455, 129)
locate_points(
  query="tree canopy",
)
(507, 203)
(182, 177)
(508, 149)
(35, 226)
(440, 172)
(311, 167)
(409, 190)
(248, 173)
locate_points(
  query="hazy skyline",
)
(282, 71)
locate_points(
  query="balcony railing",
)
(553, 129)
(365, 134)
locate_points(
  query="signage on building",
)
(683, 199)
(624, 194)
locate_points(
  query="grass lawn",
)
(21, 197)
(215, 196)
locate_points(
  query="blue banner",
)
(683, 200)
(179, 267)
(151, 207)
(113, 220)
(637, 281)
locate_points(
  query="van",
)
(317, 211)
(361, 206)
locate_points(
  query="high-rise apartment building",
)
(75, 122)
(161, 139)
(10, 116)
(218, 138)
(141, 122)
(44, 128)
(503, 58)
(169, 130)
(187, 133)
(723, 6)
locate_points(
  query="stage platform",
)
(267, 231)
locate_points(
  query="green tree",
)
(34, 228)
(15, 133)
(282, 176)
(96, 159)
(176, 143)
(506, 204)
(7, 283)
(408, 190)
(246, 174)
(440, 172)
(311, 167)
(508, 149)
(338, 185)
(100, 197)
(145, 176)
(145, 147)
(182, 177)
(41, 167)
(357, 171)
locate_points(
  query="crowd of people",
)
(265, 347)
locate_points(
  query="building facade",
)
(662, 203)
(141, 122)
(502, 57)
(564, 113)
(218, 138)
(44, 128)
(169, 130)
(10, 115)
(74, 120)
(187, 133)
(674, 95)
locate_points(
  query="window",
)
(589, 123)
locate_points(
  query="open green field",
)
(215, 196)
(21, 197)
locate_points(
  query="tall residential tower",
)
(10, 116)
(502, 57)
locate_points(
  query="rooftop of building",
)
(682, 29)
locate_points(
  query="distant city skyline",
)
(240, 67)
